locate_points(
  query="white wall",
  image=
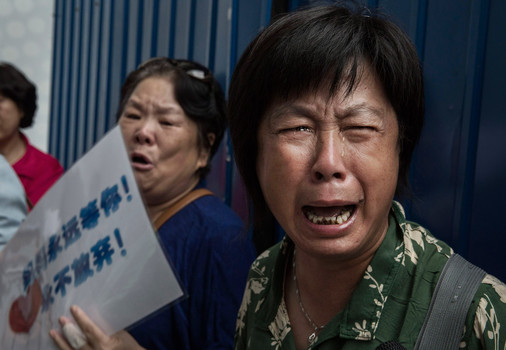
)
(26, 36)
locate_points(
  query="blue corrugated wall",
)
(96, 44)
(458, 169)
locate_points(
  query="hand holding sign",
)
(80, 245)
(92, 338)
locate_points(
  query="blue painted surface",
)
(458, 169)
(487, 236)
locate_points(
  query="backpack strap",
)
(444, 323)
(181, 203)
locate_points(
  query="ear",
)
(211, 137)
(206, 152)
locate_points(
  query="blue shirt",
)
(211, 253)
(13, 208)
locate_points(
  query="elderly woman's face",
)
(162, 142)
(10, 117)
(328, 169)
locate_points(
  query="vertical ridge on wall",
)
(154, 36)
(72, 81)
(172, 33)
(67, 81)
(229, 170)
(90, 101)
(191, 31)
(140, 24)
(82, 50)
(471, 123)
(421, 27)
(54, 106)
(126, 32)
(104, 75)
(83, 125)
(212, 34)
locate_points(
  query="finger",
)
(62, 320)
(91, 331)
(74, 335)
(59, 340)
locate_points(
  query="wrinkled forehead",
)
(338, 85)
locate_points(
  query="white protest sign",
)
(88, 242)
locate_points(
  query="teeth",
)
(329, 220)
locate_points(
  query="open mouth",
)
(139, 160)
(328, 215)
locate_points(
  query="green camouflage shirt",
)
(390, 303)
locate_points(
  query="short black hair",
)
(15, 86)
(196, 90)
(320, 47)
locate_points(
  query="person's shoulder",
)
(492, 294)
(46, 159)
(212, 211)
(420, 245)
(486, 318)
(265, 263)
(12, 198)
(36, 162)
(208, 221)
(263, 287)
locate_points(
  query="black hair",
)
(15, 86)
(196, 90)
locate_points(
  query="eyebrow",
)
(158, 109)
(347, 112)
(134, 104)
(288, 108)
(360, 107)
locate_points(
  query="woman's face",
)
(161, 141)
(10, 117)
(328, 169)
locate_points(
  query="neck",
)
(333, 277)
(157, 209)
(13, 148)
(324, 289)
(328, 287)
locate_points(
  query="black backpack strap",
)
(444, 324)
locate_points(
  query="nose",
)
(145, 134)
(329, 157)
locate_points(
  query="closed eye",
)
(132, 116)
(360, 133)
(360, 128)
(297, 129)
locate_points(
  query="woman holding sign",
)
(172, 116)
